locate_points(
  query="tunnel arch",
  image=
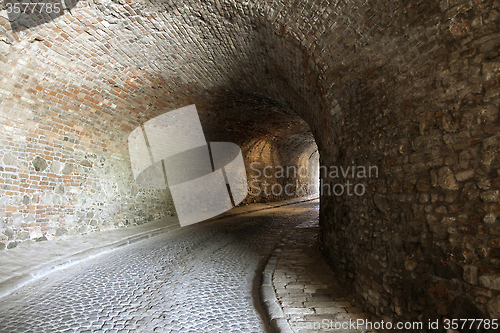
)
(409, 86)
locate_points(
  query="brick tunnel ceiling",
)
(155, 56)
(246, 119)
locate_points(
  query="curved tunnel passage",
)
(410, 87)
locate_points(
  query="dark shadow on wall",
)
(25, 14)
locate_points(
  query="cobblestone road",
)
(200, 278)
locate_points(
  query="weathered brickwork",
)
(408, 86)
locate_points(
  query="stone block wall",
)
(422, 243)
(56, 180)
(49, 190)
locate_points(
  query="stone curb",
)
(34, 273)
(269, 300)
(289, 257)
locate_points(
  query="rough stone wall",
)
(418, 98)
(49, 190)
(408, 86)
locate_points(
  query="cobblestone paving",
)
(306, 288)
(194, 279)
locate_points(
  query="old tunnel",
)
(409, 87)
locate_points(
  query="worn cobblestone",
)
(194, 279)
(309, 294)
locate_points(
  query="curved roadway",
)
(200, 278)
